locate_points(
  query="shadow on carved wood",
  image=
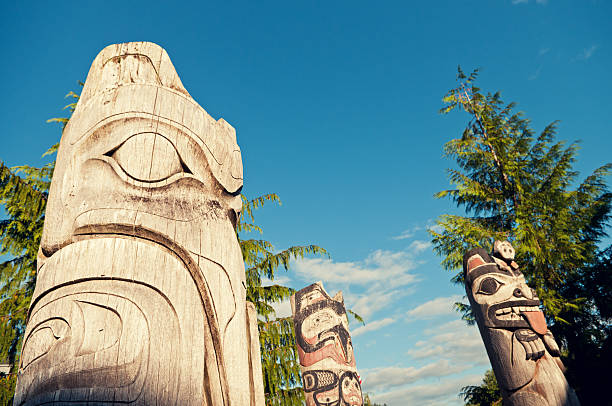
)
(140, 294)
(325, 349)
(522, 351)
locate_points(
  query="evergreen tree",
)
(487, 394)
(517, 186)
(23, 195)
(588, 333)
(280, 364)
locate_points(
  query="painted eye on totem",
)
(148, 157)
(489, 286)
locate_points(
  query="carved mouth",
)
(327, 335)
(334, 338)
(513, 313)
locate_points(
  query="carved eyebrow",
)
(138, 55)
(485, 269)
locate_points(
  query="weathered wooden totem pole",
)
(327, 361)
(140, 294)
(522, 351)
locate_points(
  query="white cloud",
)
(442, 393)
(587, 53)
(379, 265)
(367, 304)
(543, 2)
(369, 285)
(535, 74)
(278, 280)
(543, 51)
(449, 350)
(455, 341)
(418, 246)
(372, 326)
(378, 379)
(436, 228)
(440, 306)
(282, 309)
(407, 233)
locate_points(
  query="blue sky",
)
(336, 109)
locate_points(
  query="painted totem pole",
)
(140, 294)
(327, 361)
(522, 351)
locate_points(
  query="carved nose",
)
(518, 293)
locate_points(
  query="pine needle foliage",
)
(516, 185)
(521, 186)
(280, 364)
(23, 195)
(485, 394)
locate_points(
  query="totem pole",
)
(522, 351)
(329, 374)
(140, 292)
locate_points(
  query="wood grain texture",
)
(522, 351)
(325, 349)
(140, 293)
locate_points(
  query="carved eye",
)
(489, 286)
(42, 339)
(148, 157)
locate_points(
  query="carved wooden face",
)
(329, 397)
(499, 294)
(325, 388)
(145, 193)
(321, 387)
(321, 327)
(350, 389)
(141, 158)
(138, 168)
(504, 250)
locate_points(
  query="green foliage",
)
(281, 369)
(588, 333)
(24, 199)
(519, 186)
(515, 184)
(7, 383)
(487, 394)
(23, 194)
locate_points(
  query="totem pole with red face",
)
(325, 349)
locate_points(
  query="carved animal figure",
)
(140, 293)
(325, 349)
(521, 348)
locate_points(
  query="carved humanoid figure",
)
(521, 348)
(140, 293)
(325, 349)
